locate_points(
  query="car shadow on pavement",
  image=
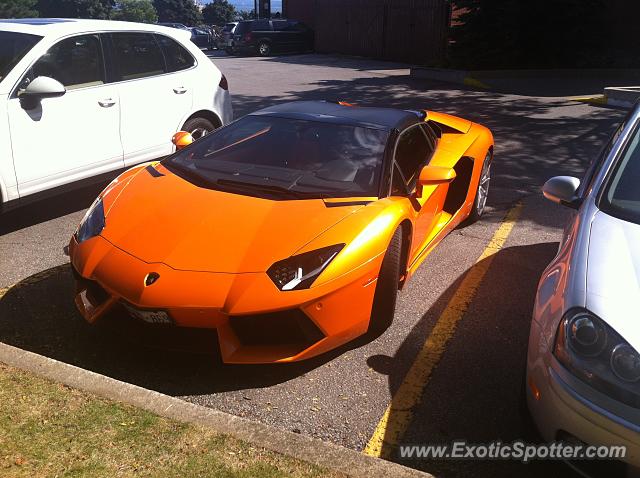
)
(38, 315)
(43, 210)
(476, 390)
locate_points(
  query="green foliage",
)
(246, 15)
(178, 11)
(531, 34)
(219, 12)
(100, 9)
(18, 9)
(135, 11)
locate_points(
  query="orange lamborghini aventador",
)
(288, 231)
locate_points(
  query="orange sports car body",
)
(288, 231)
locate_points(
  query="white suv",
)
(79, 98)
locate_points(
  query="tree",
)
(75, 8)
(135, 11)
(219, 12)
(178, 11)
(18, 9)
(246, 14)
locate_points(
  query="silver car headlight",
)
(299, 272)
(92, 223)
(594, 352)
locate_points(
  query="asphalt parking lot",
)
(468, 386)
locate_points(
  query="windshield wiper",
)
(268, 188)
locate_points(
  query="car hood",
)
(159, 217)
(613, 275)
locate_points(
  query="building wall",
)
(413, 31)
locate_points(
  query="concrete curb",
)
(302, 447)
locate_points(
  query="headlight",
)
(299, 272)
(92, 223)
(599, 356)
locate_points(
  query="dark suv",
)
(268, 36)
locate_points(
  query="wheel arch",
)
(407, 234)
(206, 114)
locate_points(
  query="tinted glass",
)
(229, 27)
(137, 55)
(14, 46)
(280, 25)
(413, 152)
(176, 56)
(622, 194)
(260, 25)
(285, 158)
(75, 62)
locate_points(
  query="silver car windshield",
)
(13, 46)
(621, 196)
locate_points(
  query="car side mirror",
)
(434, 175)
(182, 139)
(43, 87)
(562, 190)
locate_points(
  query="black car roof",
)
(380, 118)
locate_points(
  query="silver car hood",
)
(613, 275)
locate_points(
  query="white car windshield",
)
(13, 46)
(622, 192)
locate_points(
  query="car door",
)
(282, 36)
(299, 36)
(73, 136)
(154, 97)
(413, 151)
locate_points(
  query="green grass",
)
(48, 429)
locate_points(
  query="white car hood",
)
(613, 275)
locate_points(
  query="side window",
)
(598, 161)
(398, 186)
(260, 25)
(176, 56)
(136, 55)
(412, 153)
(75, 62)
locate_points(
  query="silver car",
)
(583, 366)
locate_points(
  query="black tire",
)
(229, 51)
(198, 127)
(384, 300)
(264, 48)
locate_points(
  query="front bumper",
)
(255, 322)
(561, 409)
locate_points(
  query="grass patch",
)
(48, 429)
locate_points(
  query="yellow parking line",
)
(398, 415)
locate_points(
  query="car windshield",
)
(229, 27)
(13, 46)
(283, 158)
(621, 196)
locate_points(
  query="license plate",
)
(150, 316)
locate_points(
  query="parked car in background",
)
(583, 366)
(79, 98)
(226, 40)
(266, 37)
(174, 25)
(202, 38)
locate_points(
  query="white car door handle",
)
(180, 90)
(107, 102)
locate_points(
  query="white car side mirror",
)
(43, 87)
(562, 190)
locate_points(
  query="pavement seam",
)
(302, 447)
(399, 413)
